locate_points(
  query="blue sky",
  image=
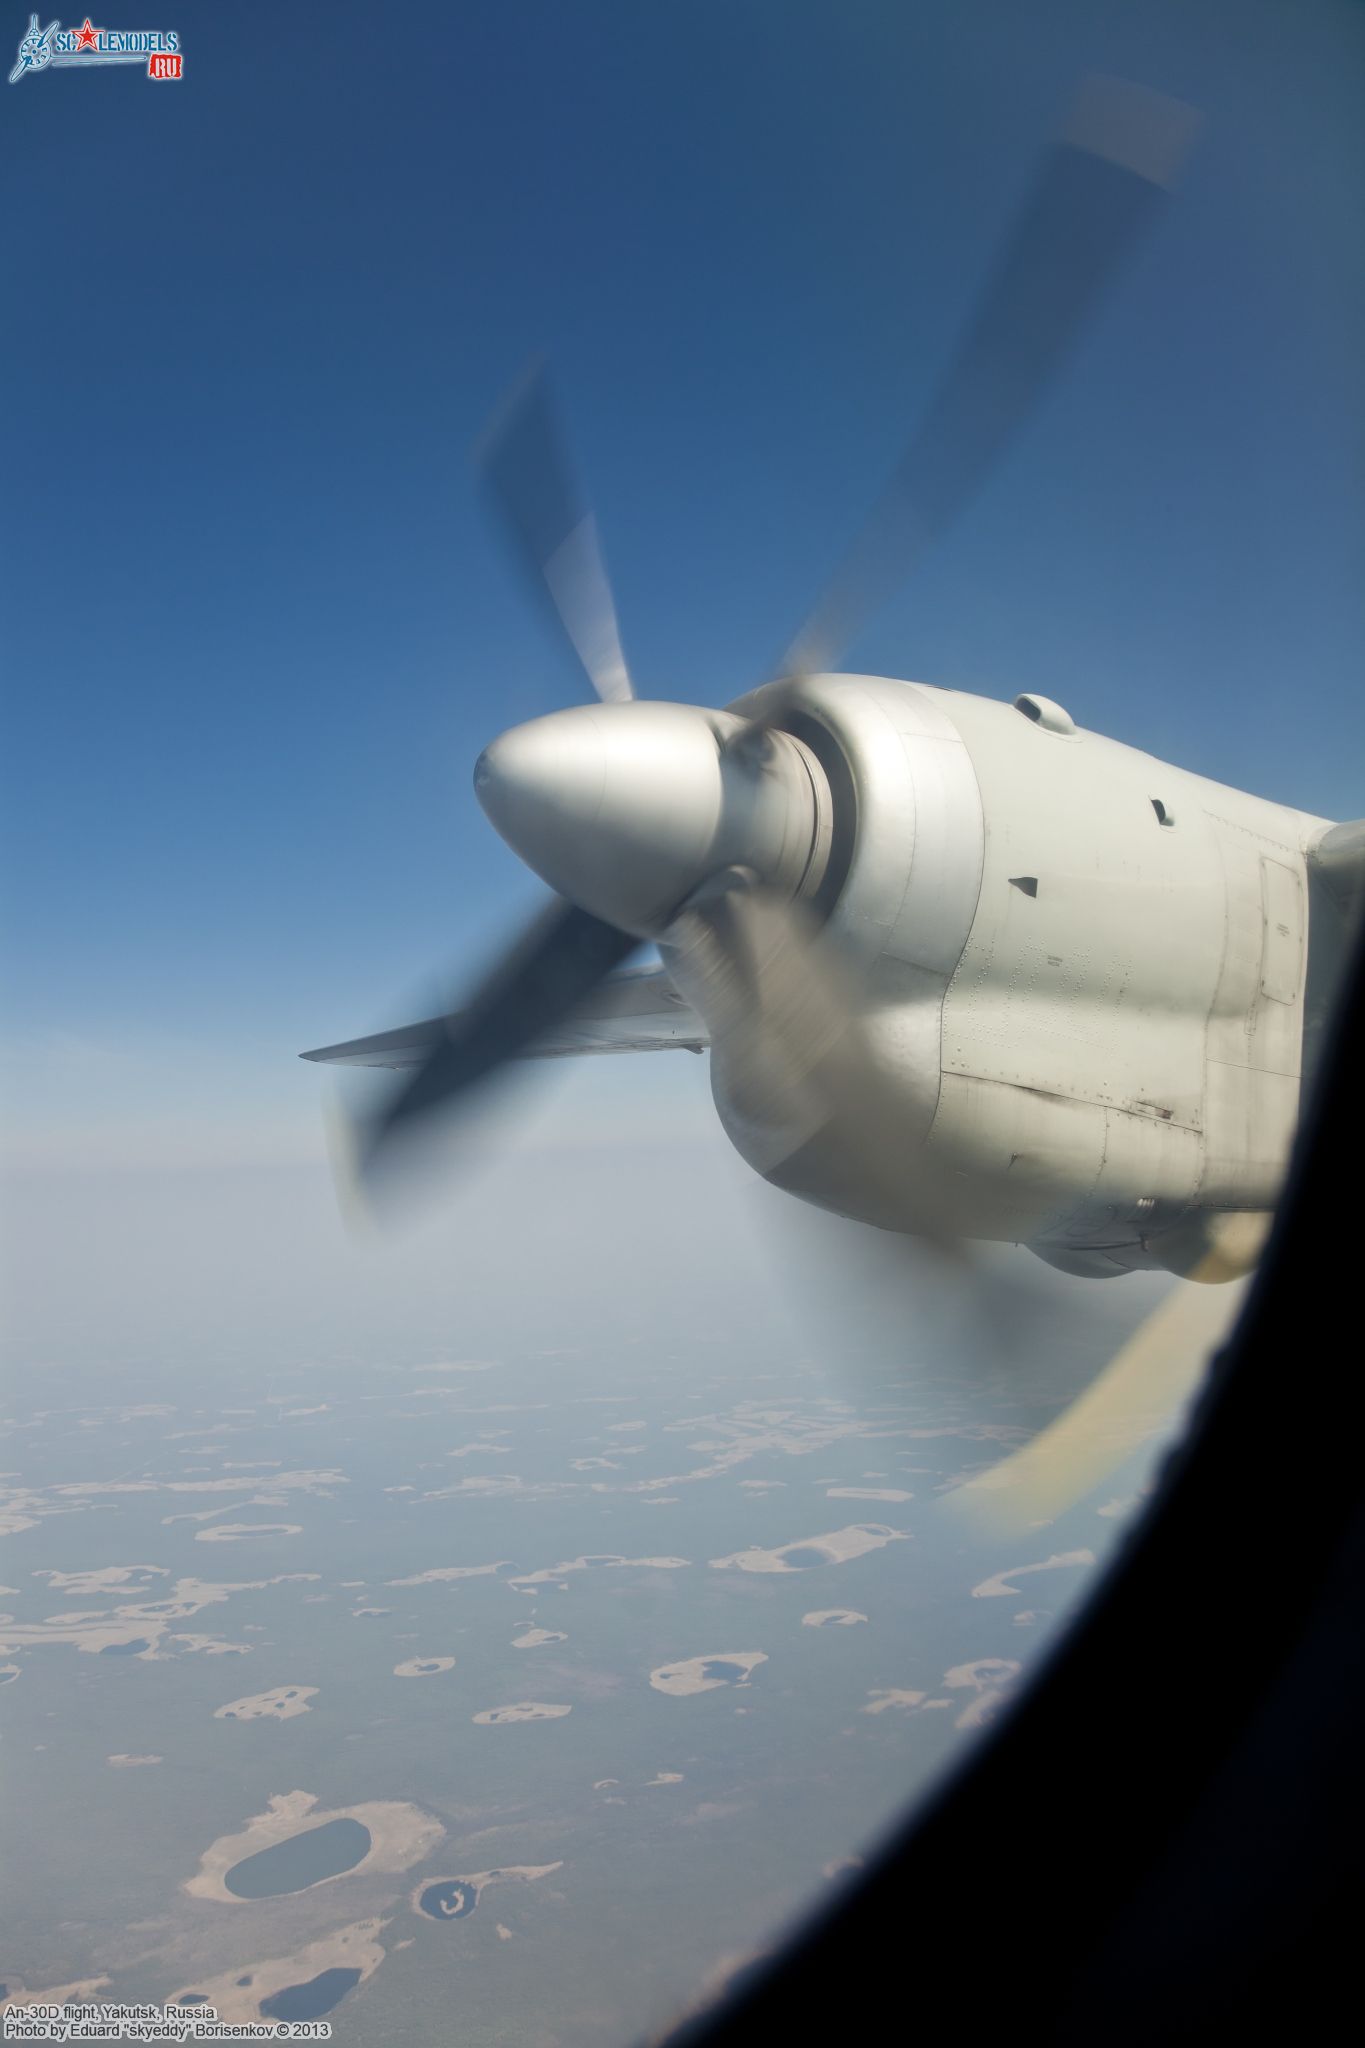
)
(257, 629)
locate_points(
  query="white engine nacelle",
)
(1082, 973)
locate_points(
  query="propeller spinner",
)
(627, 809)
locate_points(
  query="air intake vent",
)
(1042, 711)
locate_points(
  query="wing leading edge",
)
(639, 1012)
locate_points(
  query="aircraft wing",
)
(639, 1012)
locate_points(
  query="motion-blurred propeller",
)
(708, 833)
(530, 484)
(557, 961)
(1133, 1400)
(1094, 191)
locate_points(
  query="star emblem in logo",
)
(86, 40)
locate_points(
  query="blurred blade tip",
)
(576, 578)
(533, 387)
(1133, 127)
(1140, 1395)
(345, 1151)
(524, 463)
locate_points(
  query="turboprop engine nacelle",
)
(1079, 975)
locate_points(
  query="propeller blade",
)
(790, 1049)
(556, 963)
(741, 956)
(528, 477)
(980, 1360)
(1092, 195)
(1132, 1401)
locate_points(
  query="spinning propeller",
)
(706, 832)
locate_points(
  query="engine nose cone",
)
(542, 782)
(616, 805)
(627, 808)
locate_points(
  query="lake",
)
(303, 1859)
